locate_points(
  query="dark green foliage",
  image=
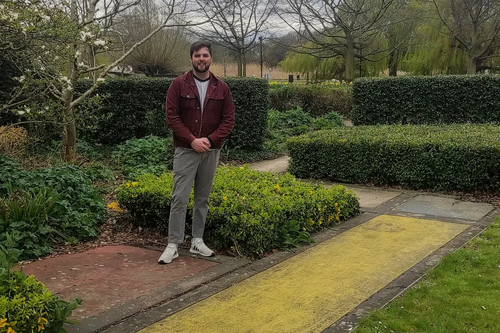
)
(141, 156)
(446, 157)
(316, 100)
(98, 172)
(78, 210)
(426, 100)
(126, 108)
(135, 108)
(249, 210)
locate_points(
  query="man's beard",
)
(195, 67)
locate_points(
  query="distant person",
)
(200, 111)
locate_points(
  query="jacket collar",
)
(190, 79)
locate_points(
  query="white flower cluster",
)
(20, 79)
(101, 79)
(86, 35)
(100, 42)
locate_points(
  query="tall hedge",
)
(426, 100)
(129, 108)
(444, 157)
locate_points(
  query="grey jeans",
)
(191, 166)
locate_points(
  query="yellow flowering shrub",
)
(252, 211)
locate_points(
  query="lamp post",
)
(260, 40)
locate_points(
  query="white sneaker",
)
(198, 247)
(169, 254)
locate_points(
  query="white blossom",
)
(101, 79)
(20, 112)
(27, 110)
(85, 35)
(77, 54)
(99, 42)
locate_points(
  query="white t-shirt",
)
(202, 86)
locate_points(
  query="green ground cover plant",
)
(462, 294)
(141, 156)
(445, 157)
(57, 202)
(250, 211)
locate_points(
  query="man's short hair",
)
(196, 46)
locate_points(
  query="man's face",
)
(201, 60)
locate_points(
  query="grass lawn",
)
(462, 294)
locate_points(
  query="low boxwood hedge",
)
(425, 100)
(445, 157)
(249, 210)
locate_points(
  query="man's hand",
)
(200, 145)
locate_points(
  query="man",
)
(200, 111)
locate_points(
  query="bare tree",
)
(164, 53)
(475, 24)
(235, 25)
(346, 28)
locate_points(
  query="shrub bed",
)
(453, 157)
(426, 100)
(317, 100)
(251, 211)
(123, 109)
(43, 206)
(25, 304)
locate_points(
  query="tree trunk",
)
(349, 59)
(471, 65)
(69, 142)
(244, 66)
(240, 63)
(393, 63)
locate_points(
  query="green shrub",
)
(135, 108)
(249, 210)
(25, 304)
(316, 100)
(77, 212)
(426, 100)
(446, 157)
(141, 156)
(328, 121)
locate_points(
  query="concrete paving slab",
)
(371, 197)
(106, 277)
(313, 289)
(445, 207)
(276, 165)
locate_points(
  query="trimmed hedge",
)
(426, 100)
(135, 108)
(317, 100)
(249, 210)
(446, 157)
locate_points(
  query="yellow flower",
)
(41, 323)
(311, 221)
(3, 322)
(311, 192)
(115, 206)
(134, 184)
(10, 330)
(128, 184)
(241, 168)
(224, 198)
(277, 186)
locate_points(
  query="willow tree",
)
(475, 25)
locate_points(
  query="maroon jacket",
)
(184, 113)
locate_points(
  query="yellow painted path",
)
(312, 290)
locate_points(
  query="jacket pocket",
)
(188, 101)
